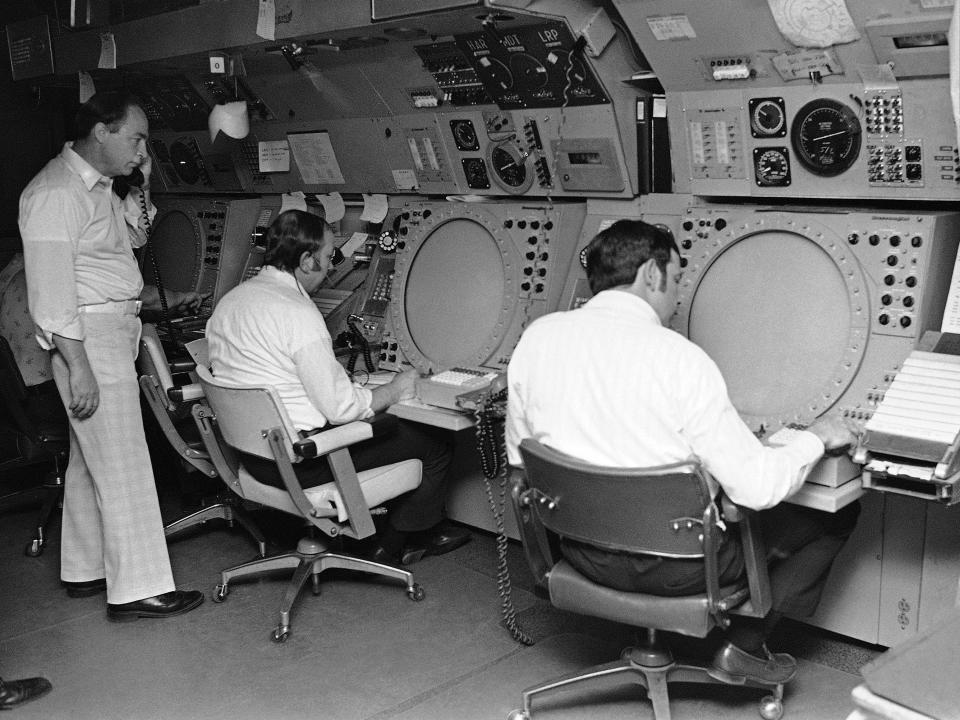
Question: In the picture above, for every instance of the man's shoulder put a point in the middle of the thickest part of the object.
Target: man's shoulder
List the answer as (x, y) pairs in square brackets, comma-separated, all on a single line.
[(55, 174)]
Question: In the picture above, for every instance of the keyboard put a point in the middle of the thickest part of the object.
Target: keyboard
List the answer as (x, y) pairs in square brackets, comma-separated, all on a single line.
[(443, 388)]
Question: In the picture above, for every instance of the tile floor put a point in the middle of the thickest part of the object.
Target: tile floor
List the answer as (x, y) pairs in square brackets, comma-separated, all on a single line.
[(360, 651)]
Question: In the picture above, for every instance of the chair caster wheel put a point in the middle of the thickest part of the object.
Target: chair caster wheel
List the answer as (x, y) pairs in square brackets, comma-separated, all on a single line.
[(34, 548), (771, 708), (518, 715), (416, 593), (280, 634), (220, 593)]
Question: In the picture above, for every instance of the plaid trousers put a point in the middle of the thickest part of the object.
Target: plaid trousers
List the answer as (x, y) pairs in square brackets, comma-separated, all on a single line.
[(111, 516)]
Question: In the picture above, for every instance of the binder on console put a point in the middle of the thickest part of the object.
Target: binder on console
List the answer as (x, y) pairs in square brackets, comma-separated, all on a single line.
[(911, 443)]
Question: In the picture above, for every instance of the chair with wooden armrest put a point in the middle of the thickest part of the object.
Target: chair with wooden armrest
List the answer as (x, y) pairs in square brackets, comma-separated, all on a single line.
[(668, 511), (28, 440), (171, 405), (254, 421)]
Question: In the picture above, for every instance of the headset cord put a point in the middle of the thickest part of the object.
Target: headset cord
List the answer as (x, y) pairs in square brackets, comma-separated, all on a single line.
[(164, 310), (493, 462)]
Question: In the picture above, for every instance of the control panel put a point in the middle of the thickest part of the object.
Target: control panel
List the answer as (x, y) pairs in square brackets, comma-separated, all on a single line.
[(839, 141)]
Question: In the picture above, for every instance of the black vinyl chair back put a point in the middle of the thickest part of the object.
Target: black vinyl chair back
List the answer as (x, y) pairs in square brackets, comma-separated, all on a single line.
[(14, 393), (657, 511)]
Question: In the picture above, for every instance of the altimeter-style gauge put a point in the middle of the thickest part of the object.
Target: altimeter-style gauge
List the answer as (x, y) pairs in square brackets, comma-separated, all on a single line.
[(771, 166), (826, 137), (509, 167), (768, 118)]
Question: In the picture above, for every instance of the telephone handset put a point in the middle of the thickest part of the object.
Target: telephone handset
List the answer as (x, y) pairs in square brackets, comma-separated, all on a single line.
[(123, 183)]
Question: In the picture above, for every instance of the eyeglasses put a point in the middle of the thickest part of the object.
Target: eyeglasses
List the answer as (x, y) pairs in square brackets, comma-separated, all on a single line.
[(337, 257)]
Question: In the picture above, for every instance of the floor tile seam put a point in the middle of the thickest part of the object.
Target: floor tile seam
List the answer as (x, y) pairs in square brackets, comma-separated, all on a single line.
[(45, 628), (420, 698)]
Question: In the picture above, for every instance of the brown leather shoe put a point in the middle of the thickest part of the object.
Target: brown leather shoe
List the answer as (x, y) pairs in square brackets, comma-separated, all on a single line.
[(175, 602), (736, 666), (17, 692)]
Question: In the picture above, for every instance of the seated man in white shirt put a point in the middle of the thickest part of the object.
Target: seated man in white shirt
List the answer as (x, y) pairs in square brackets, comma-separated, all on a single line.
[(610, 384), (267, 331)]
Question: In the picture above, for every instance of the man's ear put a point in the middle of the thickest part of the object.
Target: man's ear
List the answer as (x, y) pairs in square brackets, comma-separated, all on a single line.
[(651, 274), (100, 131), (307, 261)]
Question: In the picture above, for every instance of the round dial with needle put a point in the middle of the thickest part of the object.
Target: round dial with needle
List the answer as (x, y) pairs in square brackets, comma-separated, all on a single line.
[(767, 117), (509, 169), (771, 167), (826, 137)]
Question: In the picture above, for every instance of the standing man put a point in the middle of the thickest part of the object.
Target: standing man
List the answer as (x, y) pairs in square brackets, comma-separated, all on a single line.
[(267, 331), (610, 384), (83, 286)]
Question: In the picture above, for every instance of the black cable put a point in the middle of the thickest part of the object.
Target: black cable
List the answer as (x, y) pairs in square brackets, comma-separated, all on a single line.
[(493, 462), (157, 280)]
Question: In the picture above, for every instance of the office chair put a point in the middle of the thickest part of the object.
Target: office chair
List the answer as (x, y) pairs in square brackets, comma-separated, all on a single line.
[(666, 511), (29, 442), (171, 405), (253, 420)]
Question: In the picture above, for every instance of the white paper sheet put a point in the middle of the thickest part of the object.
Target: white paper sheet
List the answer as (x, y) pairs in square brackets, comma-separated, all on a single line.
[(293, 201), (313, 153), (374, 208), (333, 207), (267, 20), (273, 156), (814, 23)]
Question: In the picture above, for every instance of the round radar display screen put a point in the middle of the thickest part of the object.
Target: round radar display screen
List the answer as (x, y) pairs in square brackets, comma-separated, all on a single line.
[(826, 137)]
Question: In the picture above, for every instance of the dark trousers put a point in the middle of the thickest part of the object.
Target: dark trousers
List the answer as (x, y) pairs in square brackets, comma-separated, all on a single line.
[(417, 510), (801, 546)]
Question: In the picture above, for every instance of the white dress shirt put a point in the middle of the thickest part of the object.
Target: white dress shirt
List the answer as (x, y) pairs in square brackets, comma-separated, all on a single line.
[(607, 383), (267, 331), (78, 240)]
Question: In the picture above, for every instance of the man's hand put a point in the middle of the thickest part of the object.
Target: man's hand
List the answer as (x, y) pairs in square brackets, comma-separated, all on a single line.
[(833, 433), (84, 390), (184, 303), (405, 384)]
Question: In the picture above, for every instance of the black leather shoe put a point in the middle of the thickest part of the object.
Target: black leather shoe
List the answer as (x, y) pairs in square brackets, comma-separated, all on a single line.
[(733, 665), (17, 692), (175, 602), (440, 539), (86, 588), (445, 537), (379, 555)]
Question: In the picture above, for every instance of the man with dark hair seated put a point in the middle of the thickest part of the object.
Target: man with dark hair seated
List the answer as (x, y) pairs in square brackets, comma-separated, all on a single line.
[(268, 332), (609, 384)]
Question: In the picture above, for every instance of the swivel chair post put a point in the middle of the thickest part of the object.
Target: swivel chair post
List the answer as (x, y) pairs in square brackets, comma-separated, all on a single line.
[(53, 497)]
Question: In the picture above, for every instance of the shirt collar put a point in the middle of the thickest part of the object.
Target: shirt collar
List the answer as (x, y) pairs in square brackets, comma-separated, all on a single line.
[(282, 277), (623, 301), (89, 175)]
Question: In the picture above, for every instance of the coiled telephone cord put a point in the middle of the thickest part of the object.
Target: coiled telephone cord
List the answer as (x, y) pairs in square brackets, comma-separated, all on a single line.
[(493, 463)]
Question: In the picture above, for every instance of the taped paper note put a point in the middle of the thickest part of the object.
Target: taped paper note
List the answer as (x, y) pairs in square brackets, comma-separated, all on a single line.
[(405, 179), (814, 23), (671, 27), (315, 158), (267, 20), (293, 201), (354, 243), (374, 208), (273, 156), (108, 52), (87, 88), (333, 207)]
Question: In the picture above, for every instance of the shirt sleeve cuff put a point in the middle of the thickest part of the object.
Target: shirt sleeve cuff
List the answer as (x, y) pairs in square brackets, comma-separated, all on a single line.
[(72, 330)]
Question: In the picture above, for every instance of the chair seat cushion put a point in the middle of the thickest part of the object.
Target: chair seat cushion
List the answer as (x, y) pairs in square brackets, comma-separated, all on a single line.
[(378, 485), (687, 615)]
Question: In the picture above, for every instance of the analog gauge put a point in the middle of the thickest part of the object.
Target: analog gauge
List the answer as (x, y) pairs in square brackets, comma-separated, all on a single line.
[(496, 73), (767, 117), (826, 137), (476, 173), (528, 71), (771, 166), (509, 169), (464, 134)]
